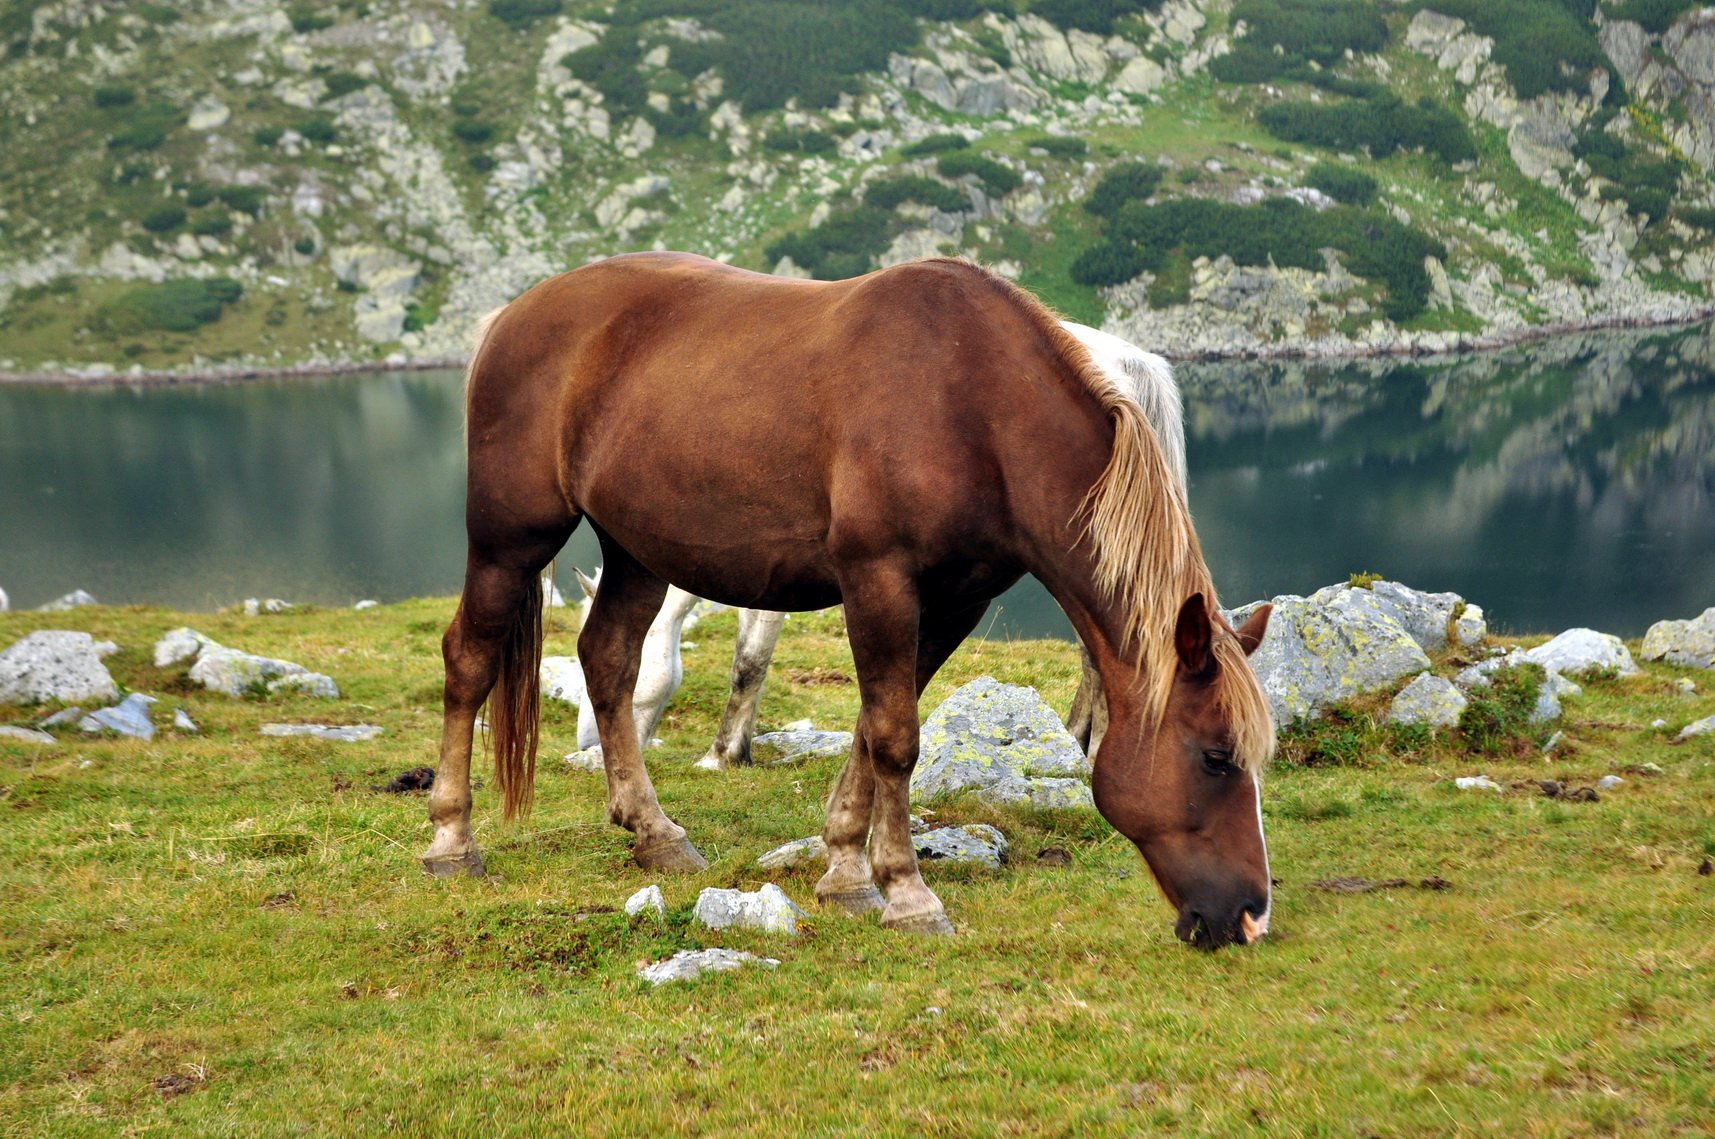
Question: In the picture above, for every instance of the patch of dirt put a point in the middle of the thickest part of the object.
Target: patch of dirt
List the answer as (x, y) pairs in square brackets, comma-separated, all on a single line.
[(416, 779), (341, 783), (1054, 856), (817, 677), (281, 900), (1706, 867), (173, 1084), (1554, 789), (1355, 885)]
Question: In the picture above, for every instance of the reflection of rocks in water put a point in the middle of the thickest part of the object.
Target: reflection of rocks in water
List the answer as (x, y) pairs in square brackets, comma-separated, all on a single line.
[(1561, 481)]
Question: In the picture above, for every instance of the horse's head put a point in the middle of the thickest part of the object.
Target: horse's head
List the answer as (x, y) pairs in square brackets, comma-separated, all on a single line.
[(1190, 797)]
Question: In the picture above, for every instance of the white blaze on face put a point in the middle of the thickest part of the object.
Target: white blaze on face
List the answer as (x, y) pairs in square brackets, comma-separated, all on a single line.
[(1255, 927)]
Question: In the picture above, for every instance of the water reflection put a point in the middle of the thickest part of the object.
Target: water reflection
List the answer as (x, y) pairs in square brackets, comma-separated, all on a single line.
[(1566, 482)]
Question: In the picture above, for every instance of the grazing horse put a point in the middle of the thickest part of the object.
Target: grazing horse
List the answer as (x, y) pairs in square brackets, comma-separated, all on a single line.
[(908, 444), (1142, 375)]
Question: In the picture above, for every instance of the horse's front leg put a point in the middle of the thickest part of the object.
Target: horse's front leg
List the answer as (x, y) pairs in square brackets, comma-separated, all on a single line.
[(758, 633), (882, 622)]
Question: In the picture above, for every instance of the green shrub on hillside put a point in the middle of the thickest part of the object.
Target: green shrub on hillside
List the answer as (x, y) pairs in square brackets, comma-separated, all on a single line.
[(1060, 146), (1342, 183), (521, 13), (164, 218), (1108, 263), (1323, 30), (1646, 184), (343, 83), (1284, 233), (212, 225), (998, 180), (1545, 45), (888, 193), (935, 144), (1250, 62), (801, 141), (267, 136), (1380, 126), (306, 18), (474, 131), (844, 245), (114, 95), (1122, 184), (1701, 217), (244, 199), (1097, 16), (610, 66), (146, 128), (1656, 16), (317, 128), (172, 306)]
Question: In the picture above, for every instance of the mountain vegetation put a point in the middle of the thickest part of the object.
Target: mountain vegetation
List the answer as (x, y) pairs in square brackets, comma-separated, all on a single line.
[(254, 185)]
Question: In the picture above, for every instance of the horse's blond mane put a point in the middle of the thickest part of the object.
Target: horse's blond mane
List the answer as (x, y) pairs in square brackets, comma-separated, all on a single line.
[(1148, 558)]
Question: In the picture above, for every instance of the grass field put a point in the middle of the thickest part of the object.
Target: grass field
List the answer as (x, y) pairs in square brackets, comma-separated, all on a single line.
[(226, 934)]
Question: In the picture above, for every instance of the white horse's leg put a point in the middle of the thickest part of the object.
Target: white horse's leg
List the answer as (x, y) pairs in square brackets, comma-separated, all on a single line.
[(758, 633), (1088, 719), (663, 667)]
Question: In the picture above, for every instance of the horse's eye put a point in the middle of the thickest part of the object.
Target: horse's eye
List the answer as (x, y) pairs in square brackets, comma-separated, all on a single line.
[(1217, 762)]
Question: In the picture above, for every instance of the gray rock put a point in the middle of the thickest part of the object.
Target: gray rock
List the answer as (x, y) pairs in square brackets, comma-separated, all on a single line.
[(76, 599), (589, 759), (649, 898), (367, 603), (182, 721), (1697, 728), (54, 664), (1428, 700), (1476, 783), (801, 850), (1608, 782), (689, 964), (64, 716), (179, 645), (767, 909), (254, 607), (563, 679), (1690, 643), (1004, 743), (1318, 654), (130, 717), (236, 673), (976, 844), (5, 602), (1425, 616), (343, 733), (1684, 685), (1583, 650), (1554, 688), (777, 749), (24, 735)]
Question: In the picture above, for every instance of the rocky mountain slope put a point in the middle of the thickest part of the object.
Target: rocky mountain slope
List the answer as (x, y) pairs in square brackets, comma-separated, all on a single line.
[(242, 184)]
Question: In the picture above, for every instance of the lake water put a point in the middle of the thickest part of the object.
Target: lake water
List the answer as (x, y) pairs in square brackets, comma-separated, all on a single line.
[(1568, 482)]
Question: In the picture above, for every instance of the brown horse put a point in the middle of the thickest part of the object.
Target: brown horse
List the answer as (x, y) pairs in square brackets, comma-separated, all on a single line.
[(907, 443)]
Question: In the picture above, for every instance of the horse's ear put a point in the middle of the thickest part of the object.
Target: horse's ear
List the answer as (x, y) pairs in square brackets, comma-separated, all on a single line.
[(1193, 636), (1250, 634), (588, 583)]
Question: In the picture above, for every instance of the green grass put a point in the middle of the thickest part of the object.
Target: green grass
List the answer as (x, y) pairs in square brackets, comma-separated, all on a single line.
[(245, 916)]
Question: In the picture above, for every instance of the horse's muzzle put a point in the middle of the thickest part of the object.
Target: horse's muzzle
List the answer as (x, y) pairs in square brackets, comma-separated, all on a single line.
[(1242, 928)]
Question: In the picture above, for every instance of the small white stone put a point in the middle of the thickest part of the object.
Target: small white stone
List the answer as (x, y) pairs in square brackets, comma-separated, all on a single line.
[(366, 603), (1476, 783), (767, 909), (688, 964), (649, 898), (589, 759), (1608, 782)]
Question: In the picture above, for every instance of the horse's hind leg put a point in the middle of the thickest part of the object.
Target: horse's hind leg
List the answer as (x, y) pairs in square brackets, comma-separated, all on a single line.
[(610, 646), (498, 622), (758, 633)]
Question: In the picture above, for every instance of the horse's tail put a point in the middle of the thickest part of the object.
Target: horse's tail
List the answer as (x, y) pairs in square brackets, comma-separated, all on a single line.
[(514, 705)]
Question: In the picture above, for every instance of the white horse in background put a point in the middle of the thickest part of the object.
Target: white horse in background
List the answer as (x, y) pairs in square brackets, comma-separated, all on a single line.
[(1145, 376)]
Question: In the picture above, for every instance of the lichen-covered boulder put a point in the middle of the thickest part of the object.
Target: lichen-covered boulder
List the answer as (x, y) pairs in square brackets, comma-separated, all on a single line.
[(1690, 643), (767, 909), (1428, 700), (1696, 728), (76, 599), (1319, 653), (179, 645), (235, 673), (1427, 617), (563, 680), (54, 664), (776, 749), (1004, 743), (1583, 650), (976, 844)]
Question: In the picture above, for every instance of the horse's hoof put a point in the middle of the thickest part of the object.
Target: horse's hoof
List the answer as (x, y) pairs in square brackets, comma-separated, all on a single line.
[(934, 923), (468, 865), (855, 900), (670, 856)]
